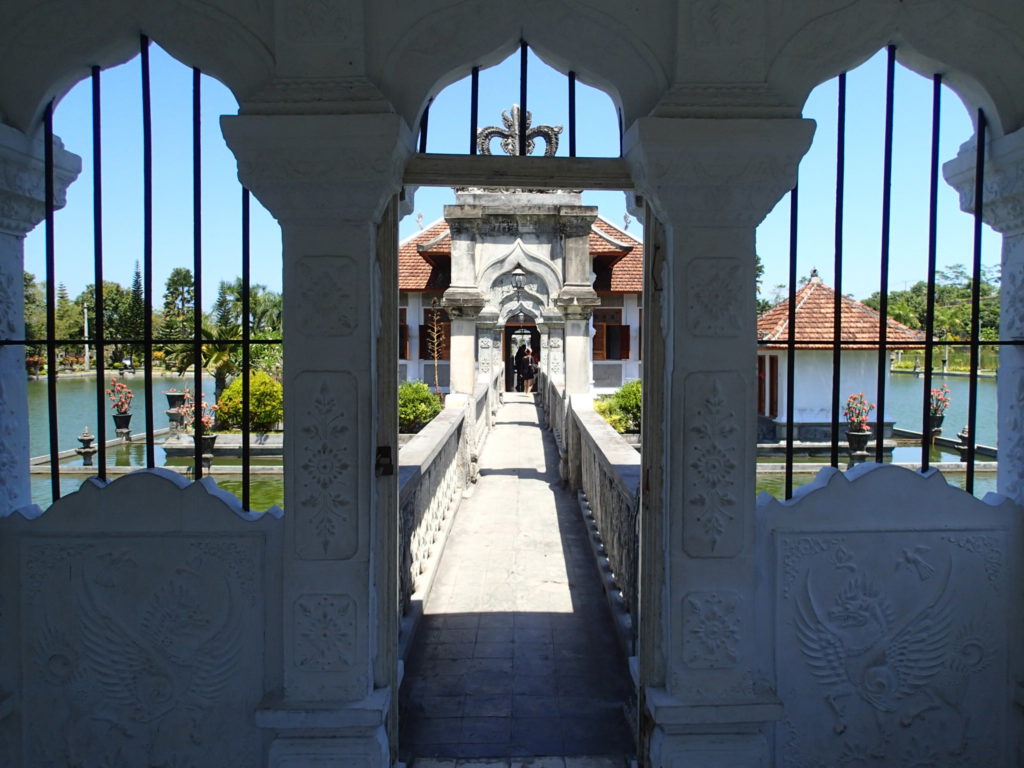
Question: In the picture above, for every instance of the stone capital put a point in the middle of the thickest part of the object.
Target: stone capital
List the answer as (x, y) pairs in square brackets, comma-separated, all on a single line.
[(1003, 202), (23, 183), (320, 168), (715, 173)]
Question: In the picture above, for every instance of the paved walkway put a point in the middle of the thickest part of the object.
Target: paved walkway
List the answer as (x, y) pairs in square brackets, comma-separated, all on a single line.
[(516, 656)]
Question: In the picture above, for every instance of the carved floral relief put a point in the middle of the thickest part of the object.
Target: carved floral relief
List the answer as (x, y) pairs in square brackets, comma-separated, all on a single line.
[(327, 523), (329, 287), (325, 631), (711, 522), (711, 630), (712, 306)]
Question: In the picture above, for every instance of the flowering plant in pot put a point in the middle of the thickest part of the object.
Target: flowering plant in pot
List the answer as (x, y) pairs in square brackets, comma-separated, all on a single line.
[(189, 412), (939, 403), (120, 396), (857, 412)]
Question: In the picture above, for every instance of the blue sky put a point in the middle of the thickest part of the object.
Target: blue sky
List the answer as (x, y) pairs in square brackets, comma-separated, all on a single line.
[(597, 135)]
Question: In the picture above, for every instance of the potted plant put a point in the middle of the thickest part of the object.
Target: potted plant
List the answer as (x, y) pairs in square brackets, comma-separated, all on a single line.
[(857, 411), (937, 409), (205, 416), (120, 396)]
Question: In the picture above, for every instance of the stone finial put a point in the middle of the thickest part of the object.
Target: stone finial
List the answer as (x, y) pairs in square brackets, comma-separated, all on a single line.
[(509, 135)]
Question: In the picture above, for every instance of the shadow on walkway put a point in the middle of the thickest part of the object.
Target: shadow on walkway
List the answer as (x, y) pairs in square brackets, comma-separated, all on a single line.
[(516, 653)]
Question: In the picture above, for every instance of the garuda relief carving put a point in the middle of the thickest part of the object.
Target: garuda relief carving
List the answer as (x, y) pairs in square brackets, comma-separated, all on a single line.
[(889, 656), (139, 663)]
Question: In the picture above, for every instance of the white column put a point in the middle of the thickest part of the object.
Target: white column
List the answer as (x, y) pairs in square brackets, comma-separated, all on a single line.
[(462, 363), (22, 196), (1003, 210), (705, 667), (327, 180)]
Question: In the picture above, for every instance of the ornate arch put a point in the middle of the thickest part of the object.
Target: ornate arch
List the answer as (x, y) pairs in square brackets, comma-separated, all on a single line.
[(612, 48), (520, 256), (46, 48), (977, 51)]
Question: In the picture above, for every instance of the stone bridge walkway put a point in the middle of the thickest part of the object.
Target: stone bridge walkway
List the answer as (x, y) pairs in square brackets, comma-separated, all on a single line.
[(516, 658)]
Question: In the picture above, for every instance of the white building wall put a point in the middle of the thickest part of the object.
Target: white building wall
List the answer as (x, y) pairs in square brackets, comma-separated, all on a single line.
[(813, 382)]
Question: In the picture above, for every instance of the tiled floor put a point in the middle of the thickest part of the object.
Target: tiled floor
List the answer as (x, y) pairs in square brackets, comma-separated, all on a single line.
[(515, 656)]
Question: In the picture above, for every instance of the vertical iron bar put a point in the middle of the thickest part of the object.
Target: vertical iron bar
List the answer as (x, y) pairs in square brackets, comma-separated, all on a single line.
[(618, 114), (791, 340), (929, 322), (972, 396), (424, 120), (837, 309), (572, 114), (474, 109), (147, 250), (883, 290), (51, 302), (197, 267), (97, 241), (246, 338), (522, 97)]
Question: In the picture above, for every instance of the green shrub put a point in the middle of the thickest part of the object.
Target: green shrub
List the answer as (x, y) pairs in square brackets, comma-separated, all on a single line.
[(266, 403), (623, 408), (417, 405)]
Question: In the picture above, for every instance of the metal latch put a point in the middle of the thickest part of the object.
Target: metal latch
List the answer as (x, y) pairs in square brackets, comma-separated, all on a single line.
[(384, 464)]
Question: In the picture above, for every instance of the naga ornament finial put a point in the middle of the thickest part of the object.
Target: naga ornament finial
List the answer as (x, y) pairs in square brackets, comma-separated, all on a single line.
[(509, 135)]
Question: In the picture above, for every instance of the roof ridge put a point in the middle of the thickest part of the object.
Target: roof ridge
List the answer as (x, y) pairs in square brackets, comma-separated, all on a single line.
[(412, 238), (619, 229)]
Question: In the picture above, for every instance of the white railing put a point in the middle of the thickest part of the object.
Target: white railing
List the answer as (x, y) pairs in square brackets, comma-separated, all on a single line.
[(435, 468)]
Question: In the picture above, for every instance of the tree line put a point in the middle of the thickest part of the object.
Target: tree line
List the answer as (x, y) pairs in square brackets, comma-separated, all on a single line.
[(124, 317)]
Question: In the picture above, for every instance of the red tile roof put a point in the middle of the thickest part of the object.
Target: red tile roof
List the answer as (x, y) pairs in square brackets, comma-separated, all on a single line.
[(614, 250), (815, 303)]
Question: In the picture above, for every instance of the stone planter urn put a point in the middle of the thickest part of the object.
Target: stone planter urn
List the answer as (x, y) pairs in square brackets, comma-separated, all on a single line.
[(858, 440), (935, 425), (208, 442), (174, 402), (122, 425)]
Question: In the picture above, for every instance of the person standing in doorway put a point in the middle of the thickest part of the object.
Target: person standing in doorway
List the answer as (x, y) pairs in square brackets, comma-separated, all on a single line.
[(518, 367), (527, 371)]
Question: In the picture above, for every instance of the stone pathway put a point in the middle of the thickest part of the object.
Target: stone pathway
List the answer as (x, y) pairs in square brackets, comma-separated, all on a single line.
[(516, 655)]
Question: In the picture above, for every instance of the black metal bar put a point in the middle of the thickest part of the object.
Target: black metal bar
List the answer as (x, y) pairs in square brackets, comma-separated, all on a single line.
[(929, 321), (572, 114), (147, 250), (197, 268), (972, 392), (474, 109), (618, 114), (837, 310), (790, 342), (97, 241), (246, 338), (883, 290), (523, 48), (51, 302), (424, 120)]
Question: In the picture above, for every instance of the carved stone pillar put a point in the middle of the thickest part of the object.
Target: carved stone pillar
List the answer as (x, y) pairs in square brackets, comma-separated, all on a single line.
[(327, 179), (705, 666), (577, 300), (22, 196), (1003, 210)]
